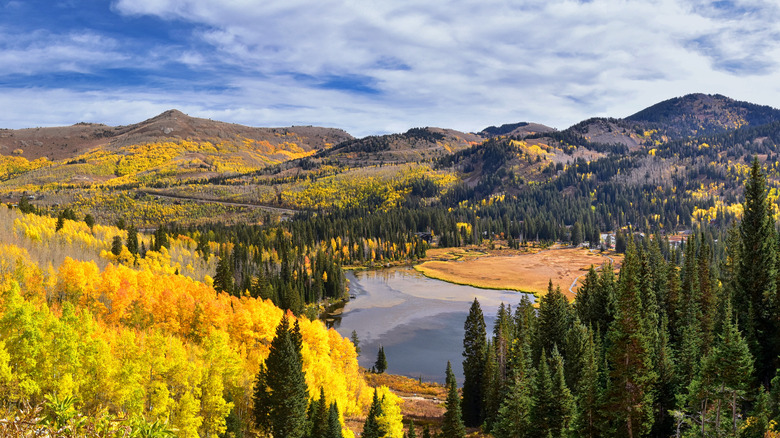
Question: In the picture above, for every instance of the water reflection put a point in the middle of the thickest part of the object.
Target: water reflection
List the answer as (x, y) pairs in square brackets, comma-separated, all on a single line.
[(418, 320)]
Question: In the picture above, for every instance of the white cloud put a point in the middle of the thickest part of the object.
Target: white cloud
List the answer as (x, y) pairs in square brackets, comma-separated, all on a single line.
[(45, 52), (461, 64)]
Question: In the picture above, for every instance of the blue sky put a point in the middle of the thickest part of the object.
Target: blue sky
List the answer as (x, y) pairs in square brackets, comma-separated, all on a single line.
[(371, 66)]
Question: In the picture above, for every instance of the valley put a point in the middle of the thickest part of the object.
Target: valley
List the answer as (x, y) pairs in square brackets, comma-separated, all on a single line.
[(179, 272)]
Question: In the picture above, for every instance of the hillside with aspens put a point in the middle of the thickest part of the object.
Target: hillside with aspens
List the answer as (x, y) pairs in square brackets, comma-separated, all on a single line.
[(160, 277)]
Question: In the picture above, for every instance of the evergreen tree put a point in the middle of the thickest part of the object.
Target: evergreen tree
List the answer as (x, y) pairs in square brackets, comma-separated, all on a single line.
[(334, 425), (562, 406), (412, 433), (491, 391), (132, 240), (576, 343), (755, 295), (90, 221), (543, 415), (116, 246), (381, 361), (319, 417), (452, 424), (514, 416), (630, 392), (356, 342), (554, 321), (474, 352), (223, 279), (281, 396), (60, 222), (731, 366), (426, 431), (372, 428), (586, 423)]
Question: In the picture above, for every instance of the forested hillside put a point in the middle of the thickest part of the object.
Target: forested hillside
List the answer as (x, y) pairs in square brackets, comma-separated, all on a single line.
[(169, 276)]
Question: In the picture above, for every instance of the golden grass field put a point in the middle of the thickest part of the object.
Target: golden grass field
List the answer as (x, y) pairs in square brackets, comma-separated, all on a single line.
[(527, 272)]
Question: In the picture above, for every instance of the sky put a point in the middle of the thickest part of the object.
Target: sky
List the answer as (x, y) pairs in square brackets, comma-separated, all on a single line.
[(377, 66)]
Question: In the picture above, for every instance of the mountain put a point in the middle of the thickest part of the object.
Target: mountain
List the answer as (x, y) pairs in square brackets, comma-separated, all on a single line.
[(413, 145), (70, 141), (703, 114), (520, 129), (675, 119)]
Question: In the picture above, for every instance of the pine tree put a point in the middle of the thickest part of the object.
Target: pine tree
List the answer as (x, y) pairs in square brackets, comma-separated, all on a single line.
[(89, 220), (356, 342), (223, 279), (631, 374), (372, 428), (334, 425), (562, 407), (491, 391), (60, 222), (474, 352), (554, 321), (319, 416), (116, 246), (132, 240), (514, 416), (412, 433), (542, 416), (281, 395), (586, 423), (755, 295), (381, 361), (732, 364), (576, 344), (452, 424)]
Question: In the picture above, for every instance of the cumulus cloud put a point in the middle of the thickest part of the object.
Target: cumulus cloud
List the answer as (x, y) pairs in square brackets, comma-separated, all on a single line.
[(372, 66)]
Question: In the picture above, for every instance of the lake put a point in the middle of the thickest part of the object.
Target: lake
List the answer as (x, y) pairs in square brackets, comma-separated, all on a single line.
[(418, 320)]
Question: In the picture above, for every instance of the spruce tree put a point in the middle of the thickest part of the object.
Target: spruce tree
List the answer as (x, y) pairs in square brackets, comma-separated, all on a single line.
[(132, 240), (412, 433), (543, 404), (732, 363), (281, 395), (452, 424), (562, 407), (474, 352), (372, 428), (755, 294), (381, 361), (90, 221), (334, 425), (514, 416), (319, 416), (492, 389), (630, 392), (553, 322), (586, 423), (223, 279)]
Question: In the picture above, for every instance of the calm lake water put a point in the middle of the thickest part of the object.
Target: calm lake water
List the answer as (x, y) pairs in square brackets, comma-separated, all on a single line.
[(418, 320)]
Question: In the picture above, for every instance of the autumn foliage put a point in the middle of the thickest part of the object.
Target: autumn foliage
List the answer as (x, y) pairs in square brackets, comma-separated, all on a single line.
[(144, 342)]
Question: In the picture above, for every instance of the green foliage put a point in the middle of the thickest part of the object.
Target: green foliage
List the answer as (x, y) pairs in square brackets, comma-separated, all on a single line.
[(755, 299), (281, 395), (380, 366), (452, 423), (474, 353), (373, 428)]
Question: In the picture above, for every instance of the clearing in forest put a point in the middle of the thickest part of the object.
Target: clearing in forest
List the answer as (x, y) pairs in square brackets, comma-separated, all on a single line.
[(523, 272)]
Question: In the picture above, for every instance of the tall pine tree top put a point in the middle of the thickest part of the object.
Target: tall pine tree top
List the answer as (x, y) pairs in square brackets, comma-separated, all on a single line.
[(755, 297), (452, 425), (474, 352), (281, 394)]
